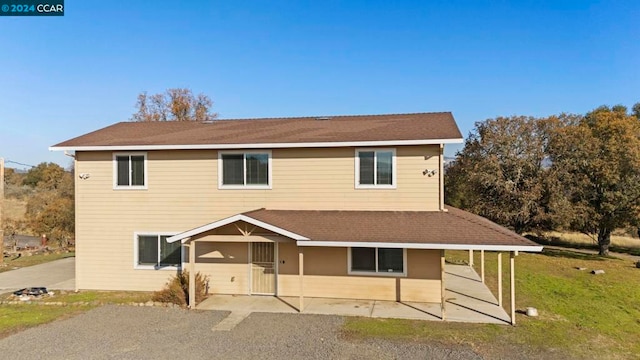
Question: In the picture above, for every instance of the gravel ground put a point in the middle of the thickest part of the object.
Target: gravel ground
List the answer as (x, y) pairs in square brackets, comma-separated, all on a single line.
[(121, 332)]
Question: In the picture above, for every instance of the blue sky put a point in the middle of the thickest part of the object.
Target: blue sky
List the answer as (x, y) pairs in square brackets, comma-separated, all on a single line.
[(61, 77)]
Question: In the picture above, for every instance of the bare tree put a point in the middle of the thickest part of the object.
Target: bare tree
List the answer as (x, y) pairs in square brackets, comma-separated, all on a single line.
[(176, 104)]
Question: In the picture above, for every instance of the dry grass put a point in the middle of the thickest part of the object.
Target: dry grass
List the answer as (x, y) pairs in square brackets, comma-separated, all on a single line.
[(584, 240), (14, 209), (24, 261)]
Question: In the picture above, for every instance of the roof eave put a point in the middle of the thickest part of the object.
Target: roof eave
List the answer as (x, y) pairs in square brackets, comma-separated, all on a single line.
[(239, 217), (425, 246), (256, 145)]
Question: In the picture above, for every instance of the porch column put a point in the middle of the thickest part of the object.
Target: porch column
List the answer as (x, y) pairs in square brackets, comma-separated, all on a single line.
[(470, 257), (192, 274), (512, 261), (482, 265), (442, 287), (499, 279), (301, 275)]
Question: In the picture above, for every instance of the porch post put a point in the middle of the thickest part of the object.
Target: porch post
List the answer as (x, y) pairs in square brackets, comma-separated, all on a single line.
[(512, 261), (301, 275), (499, 279), (470, 257), (442, 287), (192, 274), (482, 265)]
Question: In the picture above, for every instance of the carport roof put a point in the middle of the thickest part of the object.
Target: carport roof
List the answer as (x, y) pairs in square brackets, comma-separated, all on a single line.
[(453, 229)]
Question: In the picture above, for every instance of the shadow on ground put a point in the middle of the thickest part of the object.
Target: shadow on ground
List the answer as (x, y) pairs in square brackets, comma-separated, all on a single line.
[(572, 255)]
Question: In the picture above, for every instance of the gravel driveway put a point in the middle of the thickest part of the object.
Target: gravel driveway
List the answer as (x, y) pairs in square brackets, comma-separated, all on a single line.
[(122, 332)]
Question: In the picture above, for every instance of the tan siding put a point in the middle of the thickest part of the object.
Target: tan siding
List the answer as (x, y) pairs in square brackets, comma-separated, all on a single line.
[(226, 264), (423, 264), (420, 290), (183, 194), (326, 276)]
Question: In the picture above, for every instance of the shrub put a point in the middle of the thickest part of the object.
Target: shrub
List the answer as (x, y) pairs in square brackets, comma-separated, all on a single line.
[(176, 291)]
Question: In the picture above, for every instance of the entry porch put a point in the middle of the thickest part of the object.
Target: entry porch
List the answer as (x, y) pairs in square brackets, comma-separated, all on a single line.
[(467, 300)]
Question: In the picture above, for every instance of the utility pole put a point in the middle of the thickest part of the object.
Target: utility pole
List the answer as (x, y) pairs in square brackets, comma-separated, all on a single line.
[(1, 208)]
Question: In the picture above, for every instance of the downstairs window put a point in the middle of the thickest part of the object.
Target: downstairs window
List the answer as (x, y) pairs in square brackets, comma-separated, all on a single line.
[(154, 252), (365, 260)]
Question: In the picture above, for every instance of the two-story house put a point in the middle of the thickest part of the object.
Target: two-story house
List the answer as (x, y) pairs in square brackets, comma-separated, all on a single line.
[(345, 207)]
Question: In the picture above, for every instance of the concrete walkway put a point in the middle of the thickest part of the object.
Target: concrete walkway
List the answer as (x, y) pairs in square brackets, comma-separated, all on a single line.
[(468, 300), (54, 275)]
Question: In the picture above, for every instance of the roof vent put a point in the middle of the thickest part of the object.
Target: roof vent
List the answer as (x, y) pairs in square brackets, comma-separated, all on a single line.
[(323, 118)]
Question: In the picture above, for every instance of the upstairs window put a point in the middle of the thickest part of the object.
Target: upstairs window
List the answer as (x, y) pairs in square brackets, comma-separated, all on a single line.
[(130, 171), (154, 252), (244, 170), (375, 168)]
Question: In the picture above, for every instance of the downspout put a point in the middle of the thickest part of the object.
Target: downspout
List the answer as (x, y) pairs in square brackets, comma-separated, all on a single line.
[(441, 177), (78, 269)]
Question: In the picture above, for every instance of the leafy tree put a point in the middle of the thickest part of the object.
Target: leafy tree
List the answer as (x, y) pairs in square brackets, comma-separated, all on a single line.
[(500, 172), (12, 177), (51, 209), (597, 161), (48, 176), (176, 104), (636, 110), (53, 215)]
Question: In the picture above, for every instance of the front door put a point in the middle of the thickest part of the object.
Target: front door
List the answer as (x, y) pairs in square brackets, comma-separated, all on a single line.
[(263, 268)]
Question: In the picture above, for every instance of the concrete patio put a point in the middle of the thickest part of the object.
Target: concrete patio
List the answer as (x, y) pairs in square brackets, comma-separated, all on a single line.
[(468, 300)]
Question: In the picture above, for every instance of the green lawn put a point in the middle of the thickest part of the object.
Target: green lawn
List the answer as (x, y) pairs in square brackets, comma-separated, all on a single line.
[(25, 261), (581, 315), (14, 318)]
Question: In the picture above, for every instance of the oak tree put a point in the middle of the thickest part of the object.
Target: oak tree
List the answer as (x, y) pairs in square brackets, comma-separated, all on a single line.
[(501, 174), (597, 162)]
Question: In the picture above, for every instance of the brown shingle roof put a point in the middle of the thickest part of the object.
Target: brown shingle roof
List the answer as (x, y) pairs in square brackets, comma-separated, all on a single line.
[(453, 227), (420, 126)]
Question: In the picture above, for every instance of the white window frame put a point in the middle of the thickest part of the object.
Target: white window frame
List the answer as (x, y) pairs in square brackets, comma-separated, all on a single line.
[(221, 186), (154, 267), (375, 168), (378, 273), (115, 171)]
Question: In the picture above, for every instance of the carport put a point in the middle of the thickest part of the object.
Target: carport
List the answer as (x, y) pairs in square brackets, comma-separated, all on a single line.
[(422, 286)]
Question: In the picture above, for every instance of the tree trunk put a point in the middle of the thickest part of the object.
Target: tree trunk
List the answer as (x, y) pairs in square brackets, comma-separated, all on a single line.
[(604, 240)]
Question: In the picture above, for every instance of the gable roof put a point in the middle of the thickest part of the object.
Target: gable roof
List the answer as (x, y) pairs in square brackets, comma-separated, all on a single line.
[(451, 229), (360, 130)]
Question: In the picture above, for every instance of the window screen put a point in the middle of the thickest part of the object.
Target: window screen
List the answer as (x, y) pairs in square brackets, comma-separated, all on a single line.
[(232, 169), (137, 170), (366, 167), (123, 170), (363, 259), (147, 250)]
